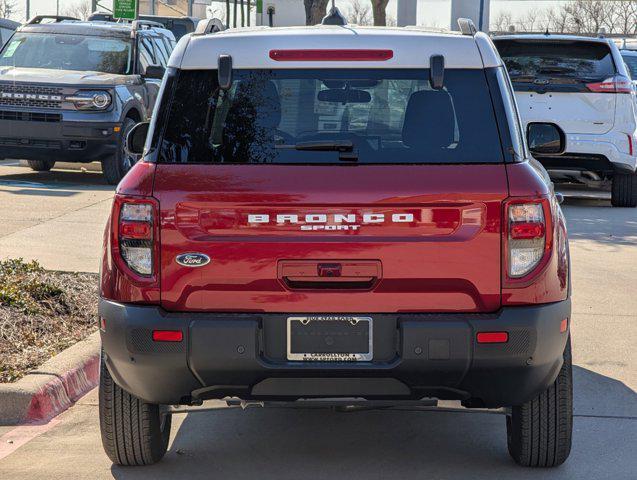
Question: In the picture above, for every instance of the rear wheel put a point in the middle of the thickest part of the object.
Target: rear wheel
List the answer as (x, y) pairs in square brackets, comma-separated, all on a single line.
[(133, 432), (624, 190), (539, 432), (115, 167), (41, 165)]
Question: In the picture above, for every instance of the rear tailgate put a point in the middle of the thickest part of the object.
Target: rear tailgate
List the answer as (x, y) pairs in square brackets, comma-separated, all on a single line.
[(349, 239), (555, 81)]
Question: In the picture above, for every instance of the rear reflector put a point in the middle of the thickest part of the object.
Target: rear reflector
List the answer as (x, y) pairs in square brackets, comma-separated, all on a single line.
[(492, 337), (167, 336), (138, 230), (630, 144), (564, 325), (526, 230), (331, 55)]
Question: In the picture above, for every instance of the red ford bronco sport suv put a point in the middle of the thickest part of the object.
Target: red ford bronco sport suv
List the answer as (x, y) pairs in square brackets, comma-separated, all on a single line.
[(336, 214)]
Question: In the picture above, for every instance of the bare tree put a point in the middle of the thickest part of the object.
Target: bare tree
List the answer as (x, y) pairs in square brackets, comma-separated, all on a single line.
[(379, 8), (8, 8), (315, 10), (530, 21), (80, 9), (501, 22), (359, 13)]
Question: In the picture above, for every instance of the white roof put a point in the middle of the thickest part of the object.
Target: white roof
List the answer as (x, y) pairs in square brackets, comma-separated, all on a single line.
[(412, 48)]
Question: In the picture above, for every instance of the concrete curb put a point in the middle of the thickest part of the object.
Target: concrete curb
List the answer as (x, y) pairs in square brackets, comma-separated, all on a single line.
[(54, 386)]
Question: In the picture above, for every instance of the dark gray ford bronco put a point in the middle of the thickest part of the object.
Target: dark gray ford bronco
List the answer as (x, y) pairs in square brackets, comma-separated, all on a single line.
[(71, 90)]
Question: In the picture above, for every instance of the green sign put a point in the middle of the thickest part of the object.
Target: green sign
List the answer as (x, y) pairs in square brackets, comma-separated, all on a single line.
[(126, 9)]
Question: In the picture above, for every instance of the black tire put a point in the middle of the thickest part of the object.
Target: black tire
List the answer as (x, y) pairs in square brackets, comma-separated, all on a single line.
[(114, 168), (41, 165), (624, 190), (133, 432), (539, 432)]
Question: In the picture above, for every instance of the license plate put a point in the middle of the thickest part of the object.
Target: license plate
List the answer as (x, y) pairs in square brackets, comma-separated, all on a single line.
[(329, 339)]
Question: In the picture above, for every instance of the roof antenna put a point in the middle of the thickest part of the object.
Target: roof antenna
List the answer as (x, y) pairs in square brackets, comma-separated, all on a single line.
[(547, 33), (334, 16)]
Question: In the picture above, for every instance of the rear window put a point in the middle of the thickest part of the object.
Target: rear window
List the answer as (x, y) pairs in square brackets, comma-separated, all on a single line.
[(380, 116), (570, 62)]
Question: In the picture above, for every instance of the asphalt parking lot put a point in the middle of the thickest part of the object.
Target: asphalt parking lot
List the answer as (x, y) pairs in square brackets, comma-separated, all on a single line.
[(272, 443)]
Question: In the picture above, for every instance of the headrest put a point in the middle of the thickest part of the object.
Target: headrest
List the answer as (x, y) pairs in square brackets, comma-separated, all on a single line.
[(430, 120), (264, 98)]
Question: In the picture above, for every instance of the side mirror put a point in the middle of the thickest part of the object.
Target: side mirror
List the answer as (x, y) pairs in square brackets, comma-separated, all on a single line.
[(155, 72), (545, 139), (136, 138)]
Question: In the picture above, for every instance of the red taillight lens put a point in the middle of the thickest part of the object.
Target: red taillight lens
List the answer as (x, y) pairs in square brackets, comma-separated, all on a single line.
[(135, 235), (167, 336), (616, 84), (527, 228), (333, 55), (492, 337), (138, 230)]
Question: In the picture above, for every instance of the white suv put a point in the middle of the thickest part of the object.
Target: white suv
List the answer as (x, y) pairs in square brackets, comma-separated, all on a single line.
[(582, 85)]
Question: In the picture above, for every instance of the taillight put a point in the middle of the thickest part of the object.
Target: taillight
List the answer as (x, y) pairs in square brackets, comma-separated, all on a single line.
[(617, 84), (136, 236), (528, 241)]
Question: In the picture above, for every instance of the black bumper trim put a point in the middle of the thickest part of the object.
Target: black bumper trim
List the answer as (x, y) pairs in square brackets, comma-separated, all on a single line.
[(419, 355)]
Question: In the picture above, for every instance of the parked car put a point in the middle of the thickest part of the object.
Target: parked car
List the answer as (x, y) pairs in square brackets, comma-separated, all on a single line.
[(7, 27), (630, 59), (71, 90), (353, 223), (582, 85), (179, 26)]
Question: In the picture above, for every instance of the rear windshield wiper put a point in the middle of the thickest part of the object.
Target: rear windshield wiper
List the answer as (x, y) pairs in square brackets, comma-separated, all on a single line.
[(322, 146), (345, 148)]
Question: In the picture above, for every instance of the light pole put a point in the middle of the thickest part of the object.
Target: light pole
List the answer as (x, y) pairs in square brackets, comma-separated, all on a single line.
[(28, 10)]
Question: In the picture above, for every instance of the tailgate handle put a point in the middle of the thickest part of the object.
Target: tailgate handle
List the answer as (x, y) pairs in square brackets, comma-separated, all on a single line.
[(344, 275)]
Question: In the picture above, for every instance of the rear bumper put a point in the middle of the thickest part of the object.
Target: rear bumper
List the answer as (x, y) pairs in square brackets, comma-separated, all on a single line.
[(78, 140), (415, 356), (605, 153)]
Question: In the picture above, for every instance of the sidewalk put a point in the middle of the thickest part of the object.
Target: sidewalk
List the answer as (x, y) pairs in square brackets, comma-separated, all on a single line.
[(56, 218)]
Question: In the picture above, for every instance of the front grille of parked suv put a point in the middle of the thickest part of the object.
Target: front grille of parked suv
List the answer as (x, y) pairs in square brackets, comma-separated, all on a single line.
[(47, 97)]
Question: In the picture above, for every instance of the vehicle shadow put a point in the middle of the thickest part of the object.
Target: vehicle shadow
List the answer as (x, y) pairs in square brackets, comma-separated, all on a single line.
[(54, 179), (323, 444), (596, 220)]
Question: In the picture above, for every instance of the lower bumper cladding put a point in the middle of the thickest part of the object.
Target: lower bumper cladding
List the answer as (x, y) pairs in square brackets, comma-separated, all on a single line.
[(414, 356)]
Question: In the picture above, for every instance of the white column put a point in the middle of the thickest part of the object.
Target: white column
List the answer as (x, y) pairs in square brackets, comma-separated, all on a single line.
[(406, 12), (476, 10)]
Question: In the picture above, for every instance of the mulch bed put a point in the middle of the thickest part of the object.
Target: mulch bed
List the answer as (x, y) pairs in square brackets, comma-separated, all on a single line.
[(41, 313)]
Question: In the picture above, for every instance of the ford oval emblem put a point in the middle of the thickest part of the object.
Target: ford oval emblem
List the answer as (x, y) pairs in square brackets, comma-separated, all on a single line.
[(193, 259)]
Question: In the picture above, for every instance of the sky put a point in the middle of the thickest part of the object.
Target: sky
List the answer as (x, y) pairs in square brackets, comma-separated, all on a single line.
[(432, 13)]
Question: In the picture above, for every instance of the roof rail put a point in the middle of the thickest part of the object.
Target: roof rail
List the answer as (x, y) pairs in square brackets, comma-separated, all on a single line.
[(56, 18), (467, 27), (140, 24), (209, 25)]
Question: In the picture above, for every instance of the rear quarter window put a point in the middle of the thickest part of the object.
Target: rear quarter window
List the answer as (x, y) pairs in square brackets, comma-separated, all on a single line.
[(384, 116)]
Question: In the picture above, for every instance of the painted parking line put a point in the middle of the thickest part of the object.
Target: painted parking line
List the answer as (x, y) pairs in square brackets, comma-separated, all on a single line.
[(14, 439)]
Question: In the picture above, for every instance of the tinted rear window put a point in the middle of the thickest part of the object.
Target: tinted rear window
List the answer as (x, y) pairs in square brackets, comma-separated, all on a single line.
[(305, 116), (585, 61)]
